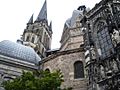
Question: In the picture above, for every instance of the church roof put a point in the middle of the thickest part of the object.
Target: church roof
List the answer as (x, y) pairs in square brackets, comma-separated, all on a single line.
[(71, 21), (43, 13), (18, 51), (31, 20)]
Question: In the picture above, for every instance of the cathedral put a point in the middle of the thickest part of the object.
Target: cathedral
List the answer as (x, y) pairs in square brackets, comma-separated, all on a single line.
[(69, 57), (89, 54)]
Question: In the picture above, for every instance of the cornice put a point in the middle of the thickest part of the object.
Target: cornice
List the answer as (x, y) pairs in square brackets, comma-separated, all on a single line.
[(17, 63), (59, 53)]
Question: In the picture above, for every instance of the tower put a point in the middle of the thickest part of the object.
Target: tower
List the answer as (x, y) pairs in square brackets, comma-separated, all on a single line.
[(38, 33), (72, 36), (69, 59)]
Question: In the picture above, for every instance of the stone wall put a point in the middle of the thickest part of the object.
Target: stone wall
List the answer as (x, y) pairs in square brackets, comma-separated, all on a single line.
[(64, 61)]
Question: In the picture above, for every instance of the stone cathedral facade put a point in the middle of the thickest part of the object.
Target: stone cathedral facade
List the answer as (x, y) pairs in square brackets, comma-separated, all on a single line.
[(69, 57), (89, 55), (101, 27)]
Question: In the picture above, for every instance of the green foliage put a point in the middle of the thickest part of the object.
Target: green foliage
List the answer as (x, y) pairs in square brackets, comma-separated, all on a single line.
[(36, 81)]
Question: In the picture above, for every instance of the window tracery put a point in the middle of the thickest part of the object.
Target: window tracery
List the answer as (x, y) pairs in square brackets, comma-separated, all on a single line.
[(104, 40)]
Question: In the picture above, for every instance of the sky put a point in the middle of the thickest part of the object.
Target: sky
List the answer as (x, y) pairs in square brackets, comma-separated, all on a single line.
[(14, 14)]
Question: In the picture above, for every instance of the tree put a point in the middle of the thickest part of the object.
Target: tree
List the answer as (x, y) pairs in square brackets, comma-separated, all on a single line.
[(43, 80)]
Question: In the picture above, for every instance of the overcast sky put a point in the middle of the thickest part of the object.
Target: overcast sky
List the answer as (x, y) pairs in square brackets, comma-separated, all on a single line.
[(14, 14)]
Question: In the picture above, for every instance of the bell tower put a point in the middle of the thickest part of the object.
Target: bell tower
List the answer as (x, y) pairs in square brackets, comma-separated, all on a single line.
[(38, 33)]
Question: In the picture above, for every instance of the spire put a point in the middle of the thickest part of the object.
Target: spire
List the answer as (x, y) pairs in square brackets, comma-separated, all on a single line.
[(50, 26), (31, 20), (43, 13)]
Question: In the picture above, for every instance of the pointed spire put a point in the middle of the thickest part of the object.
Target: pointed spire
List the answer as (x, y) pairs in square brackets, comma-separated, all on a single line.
[(50, 26), (43, 13), (31, 20)]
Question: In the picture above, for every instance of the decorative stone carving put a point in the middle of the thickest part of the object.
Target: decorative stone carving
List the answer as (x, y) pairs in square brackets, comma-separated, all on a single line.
[(102, 72), (93, 52), (116, 37)]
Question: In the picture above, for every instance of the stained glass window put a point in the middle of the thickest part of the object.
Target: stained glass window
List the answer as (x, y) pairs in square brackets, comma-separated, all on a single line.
[(27, 39), (104, 40)]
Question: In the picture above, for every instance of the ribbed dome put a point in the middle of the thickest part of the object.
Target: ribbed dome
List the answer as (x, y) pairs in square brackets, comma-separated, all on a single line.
[(18, 51)]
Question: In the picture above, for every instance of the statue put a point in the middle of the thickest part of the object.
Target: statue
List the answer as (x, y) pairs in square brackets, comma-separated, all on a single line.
[(92, 52), (102, 71), (115, 37)]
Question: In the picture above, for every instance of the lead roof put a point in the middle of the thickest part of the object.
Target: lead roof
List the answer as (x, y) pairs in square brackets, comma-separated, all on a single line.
[(18, 51)]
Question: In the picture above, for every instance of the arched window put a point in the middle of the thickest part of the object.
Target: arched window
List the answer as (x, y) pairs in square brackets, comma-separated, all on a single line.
[(38, 53), (78, 70), (42, 50), (47, 70), (32, 39)]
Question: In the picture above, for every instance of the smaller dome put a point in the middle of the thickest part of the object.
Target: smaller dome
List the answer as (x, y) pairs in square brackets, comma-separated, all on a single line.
[(18, 51)]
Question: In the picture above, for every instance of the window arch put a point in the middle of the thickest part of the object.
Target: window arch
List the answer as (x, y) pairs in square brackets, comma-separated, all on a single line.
[(32, 39), (78, 70), (42, 50), (47, 70), (28, 37)]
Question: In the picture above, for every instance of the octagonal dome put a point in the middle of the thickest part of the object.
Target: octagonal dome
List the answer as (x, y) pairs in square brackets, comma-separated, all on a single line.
[(18, 51)]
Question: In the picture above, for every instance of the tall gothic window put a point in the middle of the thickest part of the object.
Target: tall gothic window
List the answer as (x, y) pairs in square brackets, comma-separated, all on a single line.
[(27, 39), (105, 42), (32, 39), (44, 42), (78, 70)]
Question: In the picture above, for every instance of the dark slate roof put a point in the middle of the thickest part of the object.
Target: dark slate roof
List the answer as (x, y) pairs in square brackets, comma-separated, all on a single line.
[(71, 21), (43, 13), (50, 26), (18, 51), (31, 20)]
